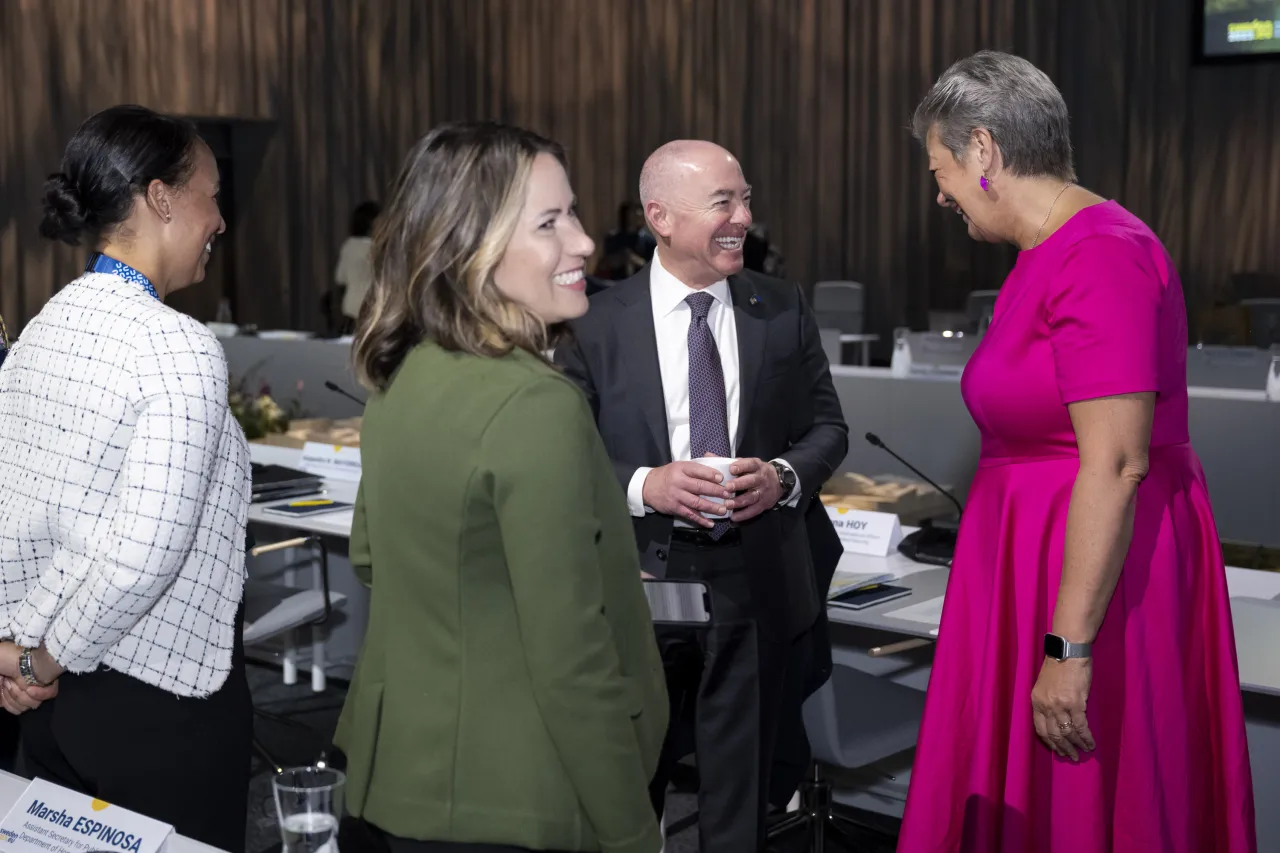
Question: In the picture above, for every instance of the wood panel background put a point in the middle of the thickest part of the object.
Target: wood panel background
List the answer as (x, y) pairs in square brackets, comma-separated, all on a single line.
[(813, 95)]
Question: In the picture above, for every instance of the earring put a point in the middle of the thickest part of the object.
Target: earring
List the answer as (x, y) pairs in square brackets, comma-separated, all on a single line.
[(985, 184)]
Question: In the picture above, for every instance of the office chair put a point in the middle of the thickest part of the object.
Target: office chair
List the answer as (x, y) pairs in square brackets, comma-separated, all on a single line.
[(840, 305), (273, 610), (846, 724)]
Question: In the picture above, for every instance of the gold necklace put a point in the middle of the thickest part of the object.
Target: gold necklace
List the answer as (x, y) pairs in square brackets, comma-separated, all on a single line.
[(1050, 213)]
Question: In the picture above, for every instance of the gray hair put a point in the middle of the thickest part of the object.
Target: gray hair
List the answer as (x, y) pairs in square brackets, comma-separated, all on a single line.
[(1013, 100)]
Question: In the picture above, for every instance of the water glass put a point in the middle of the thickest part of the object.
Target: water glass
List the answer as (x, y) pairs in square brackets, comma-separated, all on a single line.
[(309, 806)]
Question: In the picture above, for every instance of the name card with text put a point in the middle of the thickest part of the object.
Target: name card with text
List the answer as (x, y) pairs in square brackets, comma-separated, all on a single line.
[(334, 461), (53, 819), (875, 534)]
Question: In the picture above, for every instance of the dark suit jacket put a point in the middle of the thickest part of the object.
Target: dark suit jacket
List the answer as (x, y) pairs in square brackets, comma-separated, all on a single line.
[(788, 408)]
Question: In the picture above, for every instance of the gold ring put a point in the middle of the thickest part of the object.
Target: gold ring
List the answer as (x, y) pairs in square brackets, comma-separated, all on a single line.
[(1066, 727)]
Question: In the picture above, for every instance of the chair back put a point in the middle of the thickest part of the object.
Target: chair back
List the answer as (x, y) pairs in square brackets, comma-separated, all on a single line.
[(981, 307), (1264, 321), (830, 345), (857, 719), (839, 305)]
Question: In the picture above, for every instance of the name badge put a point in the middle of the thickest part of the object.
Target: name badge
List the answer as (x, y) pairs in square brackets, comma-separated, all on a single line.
[(874, 534), (333, 461), (53, 819)]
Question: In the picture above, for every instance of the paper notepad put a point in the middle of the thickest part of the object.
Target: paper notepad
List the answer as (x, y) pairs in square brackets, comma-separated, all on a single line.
[(845, 581)]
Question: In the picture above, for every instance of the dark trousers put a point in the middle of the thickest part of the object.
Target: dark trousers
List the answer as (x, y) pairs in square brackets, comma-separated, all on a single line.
[(182, 761), (725, 685)]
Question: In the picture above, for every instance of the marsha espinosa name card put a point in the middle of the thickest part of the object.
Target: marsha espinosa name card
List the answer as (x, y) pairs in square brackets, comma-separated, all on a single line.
[(53, 819)]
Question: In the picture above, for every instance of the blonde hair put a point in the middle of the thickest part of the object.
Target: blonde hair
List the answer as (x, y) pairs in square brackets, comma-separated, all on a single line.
[(453, 210)]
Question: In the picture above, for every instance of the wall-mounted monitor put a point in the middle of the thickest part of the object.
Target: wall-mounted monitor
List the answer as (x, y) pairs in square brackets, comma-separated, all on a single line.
[(1237, 29)]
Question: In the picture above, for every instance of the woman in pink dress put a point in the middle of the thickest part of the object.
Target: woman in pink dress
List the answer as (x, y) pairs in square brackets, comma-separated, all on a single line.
[(1085, 696)]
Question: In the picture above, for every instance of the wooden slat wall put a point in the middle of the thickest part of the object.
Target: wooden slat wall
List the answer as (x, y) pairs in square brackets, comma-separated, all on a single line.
[(813, 95)]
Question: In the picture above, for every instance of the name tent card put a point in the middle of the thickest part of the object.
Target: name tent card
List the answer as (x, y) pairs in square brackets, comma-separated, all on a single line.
[(874, 534), (53, 819), (334, 461)]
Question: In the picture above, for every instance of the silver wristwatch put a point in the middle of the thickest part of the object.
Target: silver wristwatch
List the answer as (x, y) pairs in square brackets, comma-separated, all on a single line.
[(1060, 648), (26, 670)]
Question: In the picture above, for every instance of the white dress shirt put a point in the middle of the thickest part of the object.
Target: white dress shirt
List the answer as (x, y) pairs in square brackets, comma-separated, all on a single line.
[(671, 317), (124, 489)]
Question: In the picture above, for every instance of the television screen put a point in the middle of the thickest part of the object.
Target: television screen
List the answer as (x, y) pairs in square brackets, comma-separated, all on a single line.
[(1240, 28)]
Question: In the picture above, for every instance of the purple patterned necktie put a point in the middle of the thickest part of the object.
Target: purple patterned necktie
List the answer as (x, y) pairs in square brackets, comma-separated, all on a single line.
[(708, 410)]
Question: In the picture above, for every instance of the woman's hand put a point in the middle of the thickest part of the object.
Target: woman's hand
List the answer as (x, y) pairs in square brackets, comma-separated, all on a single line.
[(17, 697), (46, 669), (1058, 703)]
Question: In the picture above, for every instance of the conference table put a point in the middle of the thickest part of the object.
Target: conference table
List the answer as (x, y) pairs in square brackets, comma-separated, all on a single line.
[(922, 417), (1255, 606), (861, 638)]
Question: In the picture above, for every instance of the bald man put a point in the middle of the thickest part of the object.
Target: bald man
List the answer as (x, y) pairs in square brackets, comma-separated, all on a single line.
[(695, 357)]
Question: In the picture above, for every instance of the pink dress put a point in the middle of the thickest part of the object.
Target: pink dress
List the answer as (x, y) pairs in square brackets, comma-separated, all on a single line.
[(1096, 310)]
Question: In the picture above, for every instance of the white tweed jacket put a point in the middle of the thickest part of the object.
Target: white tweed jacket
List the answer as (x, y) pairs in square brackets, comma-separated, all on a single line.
[(124, 489)]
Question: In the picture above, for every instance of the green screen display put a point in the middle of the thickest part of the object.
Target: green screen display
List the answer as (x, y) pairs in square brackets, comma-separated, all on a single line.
[(1241, 27)]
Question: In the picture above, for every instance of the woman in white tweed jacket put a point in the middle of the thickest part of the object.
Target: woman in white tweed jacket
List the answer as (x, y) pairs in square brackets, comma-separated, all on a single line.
[(124, 491)]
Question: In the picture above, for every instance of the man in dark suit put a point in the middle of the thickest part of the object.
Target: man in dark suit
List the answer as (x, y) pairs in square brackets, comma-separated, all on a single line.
[(693, 357)]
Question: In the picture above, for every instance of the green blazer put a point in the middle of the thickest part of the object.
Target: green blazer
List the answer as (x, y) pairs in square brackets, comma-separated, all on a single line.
[(509, 689)]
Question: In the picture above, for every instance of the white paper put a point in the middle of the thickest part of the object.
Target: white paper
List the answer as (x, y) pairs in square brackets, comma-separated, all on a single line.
[(875, 534), (52, 819), (332, 461), (1251, 583), (845, 581), (928, 612)]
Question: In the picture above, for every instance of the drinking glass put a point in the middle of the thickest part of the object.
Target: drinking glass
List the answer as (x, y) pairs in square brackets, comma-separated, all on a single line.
[(309, 806)]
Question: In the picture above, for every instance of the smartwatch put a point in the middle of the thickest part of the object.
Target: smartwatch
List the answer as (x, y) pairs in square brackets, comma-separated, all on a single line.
[(1060, 648)]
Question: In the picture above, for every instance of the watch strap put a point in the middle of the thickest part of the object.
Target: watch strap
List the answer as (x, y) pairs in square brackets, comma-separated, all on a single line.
[(26, 669), (1060, 648), (784, 474)]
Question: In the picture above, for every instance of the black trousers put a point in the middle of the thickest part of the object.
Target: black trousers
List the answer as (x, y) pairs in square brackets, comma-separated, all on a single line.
[(182, 761), (725, 686)]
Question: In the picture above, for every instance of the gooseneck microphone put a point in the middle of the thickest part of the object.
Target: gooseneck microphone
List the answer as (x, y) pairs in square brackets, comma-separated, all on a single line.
[(875, 441), (335, 389), (934, 544)]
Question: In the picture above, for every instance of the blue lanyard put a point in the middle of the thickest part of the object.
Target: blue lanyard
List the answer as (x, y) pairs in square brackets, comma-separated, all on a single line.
[(99, 262)]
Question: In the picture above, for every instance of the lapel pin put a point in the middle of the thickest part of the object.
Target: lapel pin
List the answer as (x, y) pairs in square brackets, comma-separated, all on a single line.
[(754, 300)]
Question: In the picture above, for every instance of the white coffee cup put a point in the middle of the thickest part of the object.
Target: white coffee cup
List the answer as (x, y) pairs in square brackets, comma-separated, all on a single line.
[(721, 464)]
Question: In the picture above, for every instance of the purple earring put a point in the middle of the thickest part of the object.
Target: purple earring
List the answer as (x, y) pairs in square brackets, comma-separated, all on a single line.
[(985, 184)]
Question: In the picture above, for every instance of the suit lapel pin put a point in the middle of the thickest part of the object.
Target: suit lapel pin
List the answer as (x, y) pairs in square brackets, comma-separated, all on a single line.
[(754, 300)]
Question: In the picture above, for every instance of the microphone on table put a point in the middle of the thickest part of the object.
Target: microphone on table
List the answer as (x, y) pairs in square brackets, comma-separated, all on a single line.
[(933, 543), (335, 389)]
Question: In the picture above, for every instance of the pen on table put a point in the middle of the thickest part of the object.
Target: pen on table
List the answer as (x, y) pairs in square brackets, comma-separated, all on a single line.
[(312, 503)]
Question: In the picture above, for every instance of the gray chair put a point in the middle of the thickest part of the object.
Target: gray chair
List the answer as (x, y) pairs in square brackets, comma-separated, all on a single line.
[(981, 307), (853, 721), (831, 344), (273, 610), (1264, 321), (840, 305)]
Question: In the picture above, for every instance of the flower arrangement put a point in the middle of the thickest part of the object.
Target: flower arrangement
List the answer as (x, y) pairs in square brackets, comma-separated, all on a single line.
[(259, 414)]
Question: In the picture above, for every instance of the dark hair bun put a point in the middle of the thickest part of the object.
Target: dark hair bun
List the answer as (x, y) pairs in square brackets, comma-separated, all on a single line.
[(111, 160), (64, 213)]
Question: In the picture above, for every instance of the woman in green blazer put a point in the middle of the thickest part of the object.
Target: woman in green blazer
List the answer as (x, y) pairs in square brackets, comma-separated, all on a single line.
[(509, 694)]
